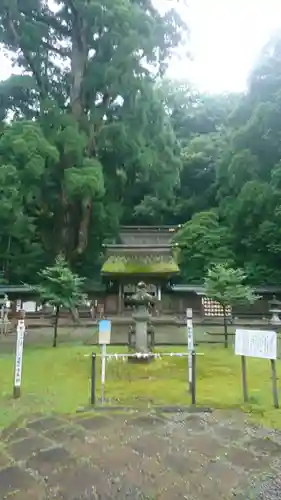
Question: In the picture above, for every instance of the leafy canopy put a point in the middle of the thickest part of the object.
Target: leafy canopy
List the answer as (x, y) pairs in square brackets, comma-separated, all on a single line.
[(226, 286), (89, 143), (202, 242), (60, 286)]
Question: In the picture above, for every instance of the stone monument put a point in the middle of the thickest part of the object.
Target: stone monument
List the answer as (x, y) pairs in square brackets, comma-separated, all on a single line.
[(142, 329), (275, 310)]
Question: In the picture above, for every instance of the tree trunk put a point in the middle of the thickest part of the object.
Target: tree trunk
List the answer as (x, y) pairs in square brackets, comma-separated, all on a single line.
[(84, 225), (57, 313), (75, 315), (225, 328)]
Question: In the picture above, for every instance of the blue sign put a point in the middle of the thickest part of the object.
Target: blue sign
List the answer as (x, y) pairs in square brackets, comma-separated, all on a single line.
[(104, 331)]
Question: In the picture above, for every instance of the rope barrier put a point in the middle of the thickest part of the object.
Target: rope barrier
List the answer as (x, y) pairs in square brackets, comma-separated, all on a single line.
[(139, 355)]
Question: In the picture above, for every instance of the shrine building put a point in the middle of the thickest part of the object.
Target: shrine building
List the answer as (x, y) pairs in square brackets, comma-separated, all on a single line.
[(143, 253)]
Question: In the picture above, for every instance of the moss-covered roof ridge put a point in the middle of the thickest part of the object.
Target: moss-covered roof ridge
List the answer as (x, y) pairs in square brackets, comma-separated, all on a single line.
[(147, 255), (138, 266)]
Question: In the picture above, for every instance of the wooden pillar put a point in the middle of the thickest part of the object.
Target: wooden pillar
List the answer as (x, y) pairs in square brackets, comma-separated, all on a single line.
[(120, 298)]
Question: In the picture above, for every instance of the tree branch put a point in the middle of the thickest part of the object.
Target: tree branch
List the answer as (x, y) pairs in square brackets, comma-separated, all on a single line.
[(39, 80), (58, 50), (52, 22)]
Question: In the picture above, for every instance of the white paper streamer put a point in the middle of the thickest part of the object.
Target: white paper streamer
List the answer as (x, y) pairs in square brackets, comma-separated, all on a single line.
[(124, 356)]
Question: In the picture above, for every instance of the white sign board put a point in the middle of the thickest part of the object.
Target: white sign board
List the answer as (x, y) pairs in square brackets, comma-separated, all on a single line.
[(256, 343), (19, 353), (190, 345), (104, 331)]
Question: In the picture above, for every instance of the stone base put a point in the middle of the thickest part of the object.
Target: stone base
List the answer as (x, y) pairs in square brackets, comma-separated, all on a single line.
[(141, 360)]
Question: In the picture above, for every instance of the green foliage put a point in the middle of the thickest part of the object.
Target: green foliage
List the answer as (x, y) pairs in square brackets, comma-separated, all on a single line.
[(202, 242), (226, 286), (97, 138), (60, 286), (232, 166), (89, 140), (86, 180)]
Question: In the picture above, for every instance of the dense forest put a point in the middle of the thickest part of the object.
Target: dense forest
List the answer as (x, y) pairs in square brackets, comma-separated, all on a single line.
[(93, 135)]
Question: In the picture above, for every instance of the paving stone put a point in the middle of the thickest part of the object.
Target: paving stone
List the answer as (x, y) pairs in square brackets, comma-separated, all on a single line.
[(229, 434), (150, 446), (44, 424), (246, 459), (5, 433), (14, 478), (264, 446), (179, 491), (81, 482), (117, 461), (94, 423), (63, 434), (195, 426), (20, 433), (138, 481), (81, 448), (184, 465), (146, 421), (36, 492), (45, 462), (156, 470), (220, 475), (124, 490), (205, 444), (4, 460), (26, 447)]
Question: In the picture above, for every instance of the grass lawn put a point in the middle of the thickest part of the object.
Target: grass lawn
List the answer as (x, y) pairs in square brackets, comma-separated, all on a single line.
[(58, 380)]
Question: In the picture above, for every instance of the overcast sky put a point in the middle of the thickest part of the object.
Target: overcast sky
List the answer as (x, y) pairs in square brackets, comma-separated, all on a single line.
[(226, 37)]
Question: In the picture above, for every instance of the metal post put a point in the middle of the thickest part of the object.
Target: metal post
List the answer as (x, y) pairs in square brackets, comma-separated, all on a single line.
[(103, 362), (274, 383), (193, 382), (244, 379), (93, 379)]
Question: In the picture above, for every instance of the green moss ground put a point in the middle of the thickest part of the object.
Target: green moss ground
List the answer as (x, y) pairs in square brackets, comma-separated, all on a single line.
[(58, 380)]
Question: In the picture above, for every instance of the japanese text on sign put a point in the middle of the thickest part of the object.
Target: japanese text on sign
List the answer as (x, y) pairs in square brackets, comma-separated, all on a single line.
[(19, 353), (256, 343)]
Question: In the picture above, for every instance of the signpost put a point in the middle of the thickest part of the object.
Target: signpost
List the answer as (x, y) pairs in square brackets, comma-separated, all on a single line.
[(190, 345), (19, 356), (257, 344), (104, 339)]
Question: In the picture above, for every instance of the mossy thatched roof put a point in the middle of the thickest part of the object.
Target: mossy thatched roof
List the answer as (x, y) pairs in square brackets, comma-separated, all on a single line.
[(138, 266)]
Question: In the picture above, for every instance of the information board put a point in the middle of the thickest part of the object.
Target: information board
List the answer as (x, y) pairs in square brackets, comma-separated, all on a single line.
[(256, 343)]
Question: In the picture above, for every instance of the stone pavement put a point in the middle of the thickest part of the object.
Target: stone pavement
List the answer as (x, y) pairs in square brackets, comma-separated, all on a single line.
[(134, 456)]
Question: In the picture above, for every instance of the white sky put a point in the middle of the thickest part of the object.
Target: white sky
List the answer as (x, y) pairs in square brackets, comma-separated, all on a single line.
[(226, 37)]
